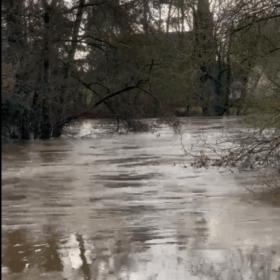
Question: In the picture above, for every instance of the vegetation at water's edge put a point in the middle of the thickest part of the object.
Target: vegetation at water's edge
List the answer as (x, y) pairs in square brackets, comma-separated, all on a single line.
[(126, 60)]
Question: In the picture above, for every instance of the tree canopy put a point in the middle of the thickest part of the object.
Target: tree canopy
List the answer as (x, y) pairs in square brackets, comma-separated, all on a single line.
[(61, 59)]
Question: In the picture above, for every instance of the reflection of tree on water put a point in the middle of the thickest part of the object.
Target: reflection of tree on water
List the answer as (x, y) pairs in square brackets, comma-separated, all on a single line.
[(52, 260), (192, 228), (222, 264), (50, 152), (19, 153), (16, 251), (239, 265), (85, 266), (21, 255), (105, 252), (113, 255)]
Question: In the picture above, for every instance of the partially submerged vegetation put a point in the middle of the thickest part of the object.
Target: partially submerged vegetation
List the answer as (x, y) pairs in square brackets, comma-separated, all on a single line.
[(247, 147), (271, 192), (61, 61), (255, 144)]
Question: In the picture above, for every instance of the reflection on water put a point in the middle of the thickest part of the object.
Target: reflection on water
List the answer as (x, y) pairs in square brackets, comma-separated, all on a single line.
[(124, 207)]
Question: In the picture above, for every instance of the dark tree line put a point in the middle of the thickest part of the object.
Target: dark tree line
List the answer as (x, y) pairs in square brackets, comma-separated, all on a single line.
[(62, 59)]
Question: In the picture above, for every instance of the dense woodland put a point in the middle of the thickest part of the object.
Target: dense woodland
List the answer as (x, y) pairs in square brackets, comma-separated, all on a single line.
[(134, 59)]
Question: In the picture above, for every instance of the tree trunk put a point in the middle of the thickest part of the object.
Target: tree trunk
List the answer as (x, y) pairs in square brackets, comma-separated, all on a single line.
[(188, 110), (168, 17), (14, 10), (159, 21), (57, 129), (205, 111), (25, 126), (243, 95), (203, 42), (145, 16), (226, 103), (75, 35), (228, 66), (45, 127), (182, 17)]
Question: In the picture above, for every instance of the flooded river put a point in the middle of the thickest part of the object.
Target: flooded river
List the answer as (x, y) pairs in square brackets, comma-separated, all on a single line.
[(130, 206)]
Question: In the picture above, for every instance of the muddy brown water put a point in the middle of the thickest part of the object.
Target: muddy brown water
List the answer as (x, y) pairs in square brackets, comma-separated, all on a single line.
[(130, 206)]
